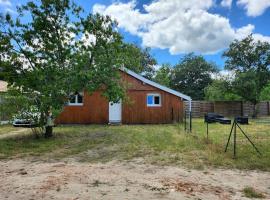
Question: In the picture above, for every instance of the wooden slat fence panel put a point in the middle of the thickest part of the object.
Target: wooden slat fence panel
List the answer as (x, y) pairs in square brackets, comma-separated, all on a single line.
[(227, 108)]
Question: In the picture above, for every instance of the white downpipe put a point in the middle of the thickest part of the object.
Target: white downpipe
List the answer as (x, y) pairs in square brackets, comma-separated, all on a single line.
[(190, 105)]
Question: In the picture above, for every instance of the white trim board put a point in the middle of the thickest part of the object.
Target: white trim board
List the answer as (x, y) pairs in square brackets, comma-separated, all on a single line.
[(152, 83)]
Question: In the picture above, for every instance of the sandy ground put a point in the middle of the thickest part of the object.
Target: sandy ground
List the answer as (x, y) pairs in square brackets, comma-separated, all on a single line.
[(14, 133), (70, 180)]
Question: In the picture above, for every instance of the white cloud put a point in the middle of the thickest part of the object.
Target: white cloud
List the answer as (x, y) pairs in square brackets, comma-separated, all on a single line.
[(244, 31), (226, 3), (8, 10), (194, 30), (6, 7), (127, 16), (247, 30), (261, 37), (254, 7), (5, 2), (180, 26)]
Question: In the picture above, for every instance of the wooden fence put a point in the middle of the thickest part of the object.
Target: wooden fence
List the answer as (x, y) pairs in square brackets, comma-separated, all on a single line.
[(228, 108)]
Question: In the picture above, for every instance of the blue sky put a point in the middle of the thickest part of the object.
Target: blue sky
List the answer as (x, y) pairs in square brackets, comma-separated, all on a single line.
[(173, 28)]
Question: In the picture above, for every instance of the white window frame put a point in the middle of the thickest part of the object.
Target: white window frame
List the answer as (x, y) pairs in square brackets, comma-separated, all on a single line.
[(76, 100), (154, 95)]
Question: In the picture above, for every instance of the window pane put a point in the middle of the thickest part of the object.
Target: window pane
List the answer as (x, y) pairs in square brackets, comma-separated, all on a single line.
[(149, 99), (157, 100), (72, 99), (80, 98)]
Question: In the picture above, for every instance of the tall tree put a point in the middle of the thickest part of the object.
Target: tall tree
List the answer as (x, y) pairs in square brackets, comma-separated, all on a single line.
[(192, 75), (220, 89), (251, 62), (265, 93), (138, 60), (58, 52), (163, 75)]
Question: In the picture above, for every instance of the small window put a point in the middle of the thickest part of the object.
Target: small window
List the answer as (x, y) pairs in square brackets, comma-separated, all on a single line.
[(76, 99), (156, 98), (72, 98), (153, 100), (79, 98)]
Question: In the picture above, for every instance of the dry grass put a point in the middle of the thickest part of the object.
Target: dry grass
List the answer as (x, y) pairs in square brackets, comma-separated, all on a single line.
[(4, 129), (158, 144)]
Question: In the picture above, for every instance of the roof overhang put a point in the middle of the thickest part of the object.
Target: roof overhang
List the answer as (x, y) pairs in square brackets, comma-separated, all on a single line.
[(156, 85)]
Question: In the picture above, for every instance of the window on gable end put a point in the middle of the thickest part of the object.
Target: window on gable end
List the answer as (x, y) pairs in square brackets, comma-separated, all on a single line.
[(76, 99), (153, 100)]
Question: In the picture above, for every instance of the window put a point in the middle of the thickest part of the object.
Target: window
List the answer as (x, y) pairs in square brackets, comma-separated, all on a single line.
[(153, 100), (76, 99)]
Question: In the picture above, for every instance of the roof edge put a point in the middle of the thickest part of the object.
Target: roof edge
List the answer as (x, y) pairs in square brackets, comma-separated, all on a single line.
[(154, 84)]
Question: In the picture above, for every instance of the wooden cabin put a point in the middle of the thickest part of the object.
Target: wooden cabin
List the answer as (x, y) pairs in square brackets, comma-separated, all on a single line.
[(148, 103)]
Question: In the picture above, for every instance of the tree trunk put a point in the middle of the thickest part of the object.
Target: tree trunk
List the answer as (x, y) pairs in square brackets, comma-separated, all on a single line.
[(254, 115), (49, 127), (48, 131)]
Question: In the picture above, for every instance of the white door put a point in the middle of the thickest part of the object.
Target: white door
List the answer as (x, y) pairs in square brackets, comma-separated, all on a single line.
[(115, 112)]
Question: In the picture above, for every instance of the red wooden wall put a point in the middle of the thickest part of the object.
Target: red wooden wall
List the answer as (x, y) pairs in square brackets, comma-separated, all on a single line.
[(95, 109), (135, 110)]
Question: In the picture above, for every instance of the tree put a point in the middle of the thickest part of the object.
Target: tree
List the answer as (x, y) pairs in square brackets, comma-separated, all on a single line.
[(245, 84), (220, 90), (12, 103), (265, 93), (192, 75), (251, 62), (163, 75), (1, 71), (138, 60), (58, 52)]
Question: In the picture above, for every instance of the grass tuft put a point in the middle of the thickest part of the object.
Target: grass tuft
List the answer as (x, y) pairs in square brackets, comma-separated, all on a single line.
[(250, 192)]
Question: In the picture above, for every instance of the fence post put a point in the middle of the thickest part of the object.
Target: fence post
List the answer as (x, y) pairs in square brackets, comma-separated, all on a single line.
[(190, 121), (242, 108), (185, 118)]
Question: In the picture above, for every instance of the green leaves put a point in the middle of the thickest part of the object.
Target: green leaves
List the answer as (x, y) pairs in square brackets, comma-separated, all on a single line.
[(248, 54), (138, 60), (163, 75), (192, 75), (265, 93), (251, 62), (46, 58), (221, 90)]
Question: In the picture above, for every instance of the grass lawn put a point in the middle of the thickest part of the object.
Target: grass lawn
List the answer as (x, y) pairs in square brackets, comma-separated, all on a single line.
[(158, 144), (6, 129)]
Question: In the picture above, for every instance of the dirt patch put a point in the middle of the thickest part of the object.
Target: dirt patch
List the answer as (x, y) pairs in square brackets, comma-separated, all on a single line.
[(194, 189), (18, 132), (24, 179)]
